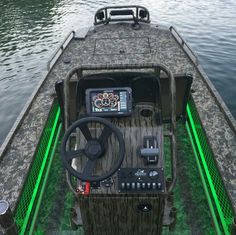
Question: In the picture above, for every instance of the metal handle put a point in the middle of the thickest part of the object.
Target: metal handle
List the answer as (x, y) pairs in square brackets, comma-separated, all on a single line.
[(138, 13), (146, 152), (121, 12)]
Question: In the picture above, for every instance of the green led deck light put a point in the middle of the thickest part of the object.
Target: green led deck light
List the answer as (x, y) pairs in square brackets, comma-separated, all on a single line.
[(216, 204), (26, 211), (31, 200), (36, 189)]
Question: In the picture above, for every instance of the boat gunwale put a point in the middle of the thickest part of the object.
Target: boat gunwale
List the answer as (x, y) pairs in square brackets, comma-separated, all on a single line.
[(222, 105), (218, 99)]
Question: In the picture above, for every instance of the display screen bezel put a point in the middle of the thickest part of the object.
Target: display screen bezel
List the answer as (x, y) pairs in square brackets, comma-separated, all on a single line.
[(127, 112)]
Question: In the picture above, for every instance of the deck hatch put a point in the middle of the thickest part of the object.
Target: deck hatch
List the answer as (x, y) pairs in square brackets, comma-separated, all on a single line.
[(114, 46)]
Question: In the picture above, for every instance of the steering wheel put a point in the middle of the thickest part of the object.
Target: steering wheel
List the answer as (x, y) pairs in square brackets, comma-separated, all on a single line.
[(93, 150)]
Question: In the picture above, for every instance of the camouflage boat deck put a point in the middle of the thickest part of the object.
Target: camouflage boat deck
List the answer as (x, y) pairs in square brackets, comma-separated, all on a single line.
[(118, 44)]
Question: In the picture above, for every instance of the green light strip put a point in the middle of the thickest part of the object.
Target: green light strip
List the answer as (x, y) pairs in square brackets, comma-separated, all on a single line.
[(209, 179), (31, 204), (216, 224), (44, 181)]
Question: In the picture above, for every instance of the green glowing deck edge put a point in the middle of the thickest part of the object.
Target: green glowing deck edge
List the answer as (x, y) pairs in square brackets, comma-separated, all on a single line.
[(214, 217), (198, 146), (31, 204), (44, 181), (208, 184)]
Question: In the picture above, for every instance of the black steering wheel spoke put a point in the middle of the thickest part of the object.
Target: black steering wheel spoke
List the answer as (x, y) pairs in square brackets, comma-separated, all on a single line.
[(88, 169), (103, 138), (93, 150), (85, 130), (74, 154)]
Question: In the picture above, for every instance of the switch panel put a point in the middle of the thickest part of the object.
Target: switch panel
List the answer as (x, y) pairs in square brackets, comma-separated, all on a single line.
[(141, 180)]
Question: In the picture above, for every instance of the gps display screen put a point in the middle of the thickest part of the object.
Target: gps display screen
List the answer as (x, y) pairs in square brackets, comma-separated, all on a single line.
[(108, 102)]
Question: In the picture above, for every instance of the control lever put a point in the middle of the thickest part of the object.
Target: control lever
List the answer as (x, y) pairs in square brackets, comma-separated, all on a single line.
[(150, 150)]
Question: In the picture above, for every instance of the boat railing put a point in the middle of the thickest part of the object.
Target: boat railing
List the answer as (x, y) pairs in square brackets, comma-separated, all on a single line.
[(122, 13), (157, 68), (184, 44), (52, 60)]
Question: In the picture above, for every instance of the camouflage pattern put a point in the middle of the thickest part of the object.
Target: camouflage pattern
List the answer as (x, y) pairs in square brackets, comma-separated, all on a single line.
[(107, 44)]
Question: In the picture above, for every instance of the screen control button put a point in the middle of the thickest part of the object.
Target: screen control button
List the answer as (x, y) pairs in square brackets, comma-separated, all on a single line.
[(138, 185), (133, 185), (143, 185), (122, 185)]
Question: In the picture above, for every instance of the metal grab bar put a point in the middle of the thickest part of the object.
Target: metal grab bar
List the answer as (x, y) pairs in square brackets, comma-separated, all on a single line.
[(138, 13), (60, 49), (183, 43), (79, 72)]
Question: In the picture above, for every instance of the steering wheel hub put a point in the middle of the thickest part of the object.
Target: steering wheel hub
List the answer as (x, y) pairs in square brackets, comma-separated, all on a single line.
[(93, 149)]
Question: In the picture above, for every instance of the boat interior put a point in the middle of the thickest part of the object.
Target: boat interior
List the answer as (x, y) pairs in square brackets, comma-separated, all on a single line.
[(114, 146), (124, 134)]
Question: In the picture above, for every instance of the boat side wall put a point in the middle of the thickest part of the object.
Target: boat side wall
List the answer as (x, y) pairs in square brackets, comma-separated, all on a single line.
[(224, 151), (194, 59)]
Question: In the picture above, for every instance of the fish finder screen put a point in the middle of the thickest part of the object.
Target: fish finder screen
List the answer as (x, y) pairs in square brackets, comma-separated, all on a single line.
[(109, 101)]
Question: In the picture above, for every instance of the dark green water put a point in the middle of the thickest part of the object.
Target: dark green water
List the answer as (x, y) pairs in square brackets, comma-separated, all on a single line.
[(31, 30)]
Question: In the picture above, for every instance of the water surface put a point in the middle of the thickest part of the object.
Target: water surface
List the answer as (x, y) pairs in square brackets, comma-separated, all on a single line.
[(31, 30)]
